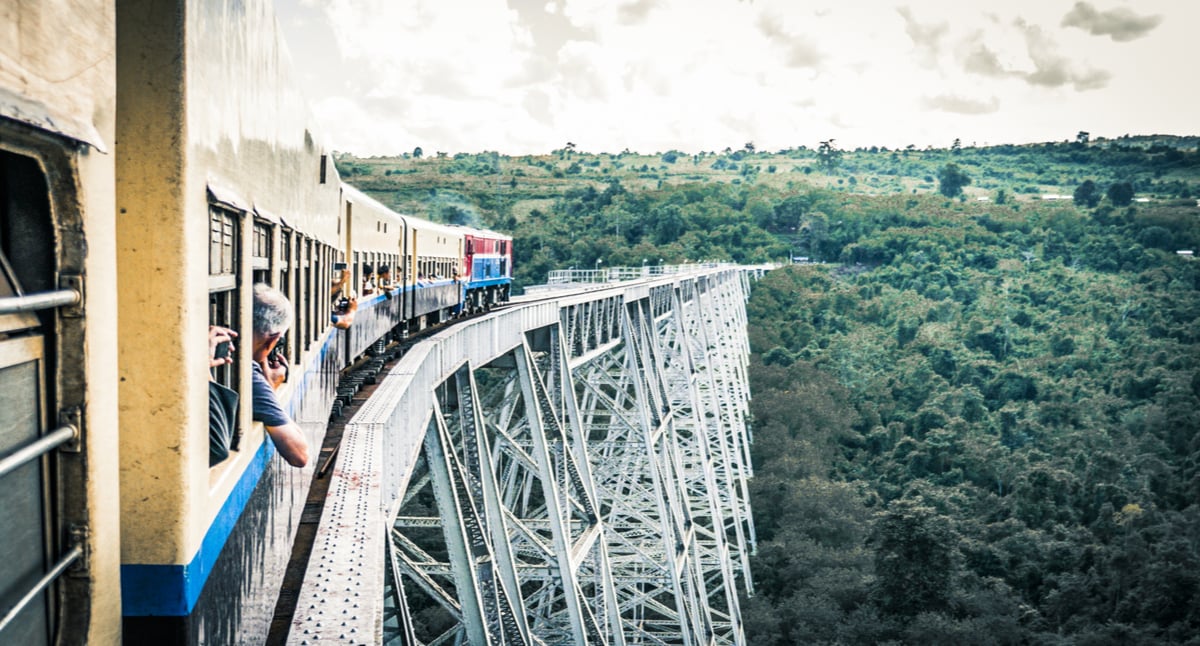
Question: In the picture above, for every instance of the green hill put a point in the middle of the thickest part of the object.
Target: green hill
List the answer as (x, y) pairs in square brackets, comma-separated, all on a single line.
[(978, 423)]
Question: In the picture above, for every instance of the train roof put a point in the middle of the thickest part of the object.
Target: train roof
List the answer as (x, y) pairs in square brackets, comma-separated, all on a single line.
[(483, 233), (356, 196), (426, 225)]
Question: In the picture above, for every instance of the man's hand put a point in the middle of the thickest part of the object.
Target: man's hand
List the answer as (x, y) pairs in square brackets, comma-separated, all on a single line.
[(216, 336), (276, 371)]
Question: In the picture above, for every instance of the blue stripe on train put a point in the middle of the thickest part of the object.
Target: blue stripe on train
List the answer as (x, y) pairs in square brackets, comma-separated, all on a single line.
[(170, 590), (475, 284)]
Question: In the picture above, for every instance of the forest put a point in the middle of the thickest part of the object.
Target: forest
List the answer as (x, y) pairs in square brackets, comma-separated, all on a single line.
[(976, 401)]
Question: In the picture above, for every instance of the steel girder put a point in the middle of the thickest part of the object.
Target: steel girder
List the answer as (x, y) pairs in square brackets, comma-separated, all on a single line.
[(578, 480)]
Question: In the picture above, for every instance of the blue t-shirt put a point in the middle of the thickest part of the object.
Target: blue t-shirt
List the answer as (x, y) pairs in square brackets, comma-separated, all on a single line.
[(266, 407)]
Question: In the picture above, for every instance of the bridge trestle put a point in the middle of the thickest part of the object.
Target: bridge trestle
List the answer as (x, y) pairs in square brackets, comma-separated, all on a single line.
[(571, 471)]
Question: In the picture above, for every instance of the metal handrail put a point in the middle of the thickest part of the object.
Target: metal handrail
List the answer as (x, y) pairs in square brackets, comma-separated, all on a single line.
[(65, 562), (36, 448), (39, 301)]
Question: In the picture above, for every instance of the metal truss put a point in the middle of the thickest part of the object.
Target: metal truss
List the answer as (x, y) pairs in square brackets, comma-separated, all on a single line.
[(583, 484)]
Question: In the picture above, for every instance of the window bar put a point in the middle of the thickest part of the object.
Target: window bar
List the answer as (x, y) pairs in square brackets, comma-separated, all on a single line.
[(39, 301), (36, 448), (65, 562)]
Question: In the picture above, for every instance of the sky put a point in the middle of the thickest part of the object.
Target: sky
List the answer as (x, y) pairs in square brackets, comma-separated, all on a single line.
[(529, 76)]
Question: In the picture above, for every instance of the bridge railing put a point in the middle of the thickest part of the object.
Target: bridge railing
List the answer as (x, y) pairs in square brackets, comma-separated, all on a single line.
[(573, 276)]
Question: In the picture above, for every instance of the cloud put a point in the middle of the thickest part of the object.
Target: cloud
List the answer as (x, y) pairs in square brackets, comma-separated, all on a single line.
[(635, 12), (799, 52), (1091, 80), (985, 62), (1052, 69), (960, 105), (537, 105), (528, 75), (927, 38), (1120, 24)]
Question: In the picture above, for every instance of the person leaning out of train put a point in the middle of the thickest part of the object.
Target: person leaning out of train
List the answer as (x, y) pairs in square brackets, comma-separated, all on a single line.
[(384, 280), (222, 401), (272, 318), (368, 280), (345, 305)]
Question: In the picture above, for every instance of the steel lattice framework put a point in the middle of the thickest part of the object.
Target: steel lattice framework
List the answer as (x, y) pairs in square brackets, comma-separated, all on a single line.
[(569, 471)]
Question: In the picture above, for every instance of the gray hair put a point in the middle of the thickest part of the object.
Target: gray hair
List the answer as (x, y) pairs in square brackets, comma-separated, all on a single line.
[(272, 311)]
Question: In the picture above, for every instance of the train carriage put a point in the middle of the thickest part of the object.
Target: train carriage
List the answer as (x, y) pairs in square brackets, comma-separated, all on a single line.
[(157, 160), (215, 194), (488, 259), (373, 242), (433, 272)]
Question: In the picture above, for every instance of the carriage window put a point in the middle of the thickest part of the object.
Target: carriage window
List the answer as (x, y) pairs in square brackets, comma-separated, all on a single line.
[(286, 283), (223, 280), (308, 294), (222, 242), (261, 252), (285, 263), (314, 298)]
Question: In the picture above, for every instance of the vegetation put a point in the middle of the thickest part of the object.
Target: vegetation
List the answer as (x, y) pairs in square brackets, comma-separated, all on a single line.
[(977, 422)]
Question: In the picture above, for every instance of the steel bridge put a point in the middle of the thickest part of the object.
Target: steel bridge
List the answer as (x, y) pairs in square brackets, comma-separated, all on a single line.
[(569, 470)]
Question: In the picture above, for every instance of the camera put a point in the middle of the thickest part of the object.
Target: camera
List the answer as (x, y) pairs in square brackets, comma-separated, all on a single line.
[(343, 304), (222, 350), (278, 351)]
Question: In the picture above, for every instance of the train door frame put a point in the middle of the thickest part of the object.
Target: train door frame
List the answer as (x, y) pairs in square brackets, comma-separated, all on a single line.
[(64, 439)]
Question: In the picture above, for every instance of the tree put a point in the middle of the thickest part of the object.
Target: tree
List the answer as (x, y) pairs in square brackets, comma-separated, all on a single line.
[(951, 180), (417, 152), (1087, 194), (1082, 137), (915, 559), (828, 155), (956, 147), (749, 146), (1120, 193)]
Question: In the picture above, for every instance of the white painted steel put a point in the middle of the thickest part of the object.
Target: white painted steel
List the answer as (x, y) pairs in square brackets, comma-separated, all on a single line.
[(568, 471)]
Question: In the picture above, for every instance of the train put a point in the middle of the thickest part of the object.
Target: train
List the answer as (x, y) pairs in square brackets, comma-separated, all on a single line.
[(157, 160)]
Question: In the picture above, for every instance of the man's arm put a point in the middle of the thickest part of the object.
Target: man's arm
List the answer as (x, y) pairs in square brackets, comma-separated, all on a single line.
[(288, 436), (289, 441)]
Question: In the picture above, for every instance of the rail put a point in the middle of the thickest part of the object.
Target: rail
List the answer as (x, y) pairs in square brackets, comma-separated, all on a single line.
[(37, 448), (39, 301), (74, 554), (600, 274)]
